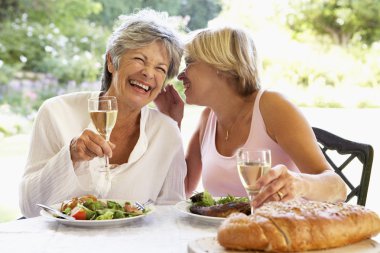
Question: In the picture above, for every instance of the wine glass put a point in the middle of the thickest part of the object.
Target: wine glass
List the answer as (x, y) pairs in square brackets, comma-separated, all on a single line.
[(252, 164), (103, 113)]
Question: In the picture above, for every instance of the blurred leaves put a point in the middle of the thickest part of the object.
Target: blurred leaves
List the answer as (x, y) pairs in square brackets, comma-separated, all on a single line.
[(46, 36), (50, 47), (343, 21), (63, 41), (112, 9), (200, 12), (68, 37)]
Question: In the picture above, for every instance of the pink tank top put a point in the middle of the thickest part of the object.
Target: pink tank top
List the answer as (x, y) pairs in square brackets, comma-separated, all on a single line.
[(219, 173)]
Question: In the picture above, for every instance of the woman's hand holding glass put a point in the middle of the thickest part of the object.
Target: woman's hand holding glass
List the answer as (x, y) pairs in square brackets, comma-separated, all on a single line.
[(103, 112), (279, 184), (89, 145), (252, 164)]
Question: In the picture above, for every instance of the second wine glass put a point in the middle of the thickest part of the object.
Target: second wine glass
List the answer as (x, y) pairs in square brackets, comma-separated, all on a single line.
[(252, 164), (103, 113)]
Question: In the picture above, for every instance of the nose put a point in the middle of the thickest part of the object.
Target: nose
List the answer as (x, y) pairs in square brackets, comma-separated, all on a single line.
[(182, 75), (148, 72)]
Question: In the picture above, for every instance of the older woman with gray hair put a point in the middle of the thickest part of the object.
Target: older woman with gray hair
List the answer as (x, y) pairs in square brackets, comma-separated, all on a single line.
[(66, 151)]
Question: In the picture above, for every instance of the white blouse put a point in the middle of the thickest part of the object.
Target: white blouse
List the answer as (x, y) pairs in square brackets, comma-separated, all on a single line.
[(156, 168)]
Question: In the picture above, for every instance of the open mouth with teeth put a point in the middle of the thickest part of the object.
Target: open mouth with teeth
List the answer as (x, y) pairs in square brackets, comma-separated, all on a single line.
[(141, 86)]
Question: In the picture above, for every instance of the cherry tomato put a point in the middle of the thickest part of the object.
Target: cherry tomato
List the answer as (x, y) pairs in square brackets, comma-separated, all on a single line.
[(78, 213)]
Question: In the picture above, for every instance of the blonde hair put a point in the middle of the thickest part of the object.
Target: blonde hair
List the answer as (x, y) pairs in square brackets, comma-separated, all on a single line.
[(229, 50)]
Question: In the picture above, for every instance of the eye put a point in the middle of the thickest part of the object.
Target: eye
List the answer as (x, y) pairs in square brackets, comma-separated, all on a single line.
[(188, 61), (139, 59), (162, 70)]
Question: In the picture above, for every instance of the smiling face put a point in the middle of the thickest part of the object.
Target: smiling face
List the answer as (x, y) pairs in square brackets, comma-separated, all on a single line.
[(201, 82), (140, 76)]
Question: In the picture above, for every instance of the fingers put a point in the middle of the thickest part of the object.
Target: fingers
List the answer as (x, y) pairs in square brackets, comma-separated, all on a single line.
[(175, 95), (89, 145), (169, 102), (160, 97), (98, 145), (273, 186), (169, 91), (163, 100), (272, 175)]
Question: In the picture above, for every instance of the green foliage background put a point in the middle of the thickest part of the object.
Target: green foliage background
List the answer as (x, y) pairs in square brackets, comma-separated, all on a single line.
[(319, 50), (342, 21)]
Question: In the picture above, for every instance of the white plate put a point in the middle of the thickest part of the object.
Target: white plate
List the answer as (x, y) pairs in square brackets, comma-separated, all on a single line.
[(211, 245), (184, 207), (96, 223)]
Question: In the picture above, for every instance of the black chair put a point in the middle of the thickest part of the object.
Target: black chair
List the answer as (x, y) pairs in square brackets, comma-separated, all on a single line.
[(348, 151)]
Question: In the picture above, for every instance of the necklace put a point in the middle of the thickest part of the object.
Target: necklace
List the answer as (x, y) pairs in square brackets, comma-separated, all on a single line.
[(226, 138), (228, 131)]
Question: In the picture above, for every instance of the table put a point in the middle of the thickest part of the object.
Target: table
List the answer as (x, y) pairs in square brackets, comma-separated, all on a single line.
[(166, 230)]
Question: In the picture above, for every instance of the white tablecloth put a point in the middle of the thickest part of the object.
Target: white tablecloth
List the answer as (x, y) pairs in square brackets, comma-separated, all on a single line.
[(165, 230)]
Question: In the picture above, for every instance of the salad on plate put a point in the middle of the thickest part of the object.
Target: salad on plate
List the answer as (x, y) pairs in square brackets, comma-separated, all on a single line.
[(88, 207)]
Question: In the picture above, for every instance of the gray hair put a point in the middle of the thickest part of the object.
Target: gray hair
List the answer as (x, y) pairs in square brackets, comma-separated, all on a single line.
[(139, 30)]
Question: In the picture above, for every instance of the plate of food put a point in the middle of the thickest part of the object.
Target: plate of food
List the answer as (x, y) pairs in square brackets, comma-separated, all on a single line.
[(205, 207), (88, 211)]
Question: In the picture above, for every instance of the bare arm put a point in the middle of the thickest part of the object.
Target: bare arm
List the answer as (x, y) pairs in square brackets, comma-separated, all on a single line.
[(193, 155), (288, 127)]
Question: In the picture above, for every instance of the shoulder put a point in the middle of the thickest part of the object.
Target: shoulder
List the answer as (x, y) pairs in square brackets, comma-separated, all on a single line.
[(162, 129), (203, 122), (203, 119), (276, 104), (72, 99), (64, 105), (279, 113), (270, 98), (161, 120), (204, 116)]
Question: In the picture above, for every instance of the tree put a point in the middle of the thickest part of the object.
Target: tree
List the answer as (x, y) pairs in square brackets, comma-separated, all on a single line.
[(112, 9), (67, 38), (344, 21), (200, 12), (49, 36)]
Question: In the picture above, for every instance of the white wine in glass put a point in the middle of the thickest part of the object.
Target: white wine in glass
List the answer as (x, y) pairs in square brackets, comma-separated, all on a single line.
[(252, 164), (103, 112)]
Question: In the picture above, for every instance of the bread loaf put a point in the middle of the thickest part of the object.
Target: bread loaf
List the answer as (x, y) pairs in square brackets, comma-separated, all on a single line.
[(298, 226)]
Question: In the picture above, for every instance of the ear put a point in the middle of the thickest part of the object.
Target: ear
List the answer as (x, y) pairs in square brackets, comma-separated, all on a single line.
[(110, 66)]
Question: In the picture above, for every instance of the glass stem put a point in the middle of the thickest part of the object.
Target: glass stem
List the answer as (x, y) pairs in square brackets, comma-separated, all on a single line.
[(251, 198), (107, 164), (107, 161)]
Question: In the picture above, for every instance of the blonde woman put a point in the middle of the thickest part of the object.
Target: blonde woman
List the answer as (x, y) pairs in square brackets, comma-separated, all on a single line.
[(222, 74)]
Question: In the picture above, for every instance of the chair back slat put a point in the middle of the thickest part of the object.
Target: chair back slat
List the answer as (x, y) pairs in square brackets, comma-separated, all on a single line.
[(363, 153)]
